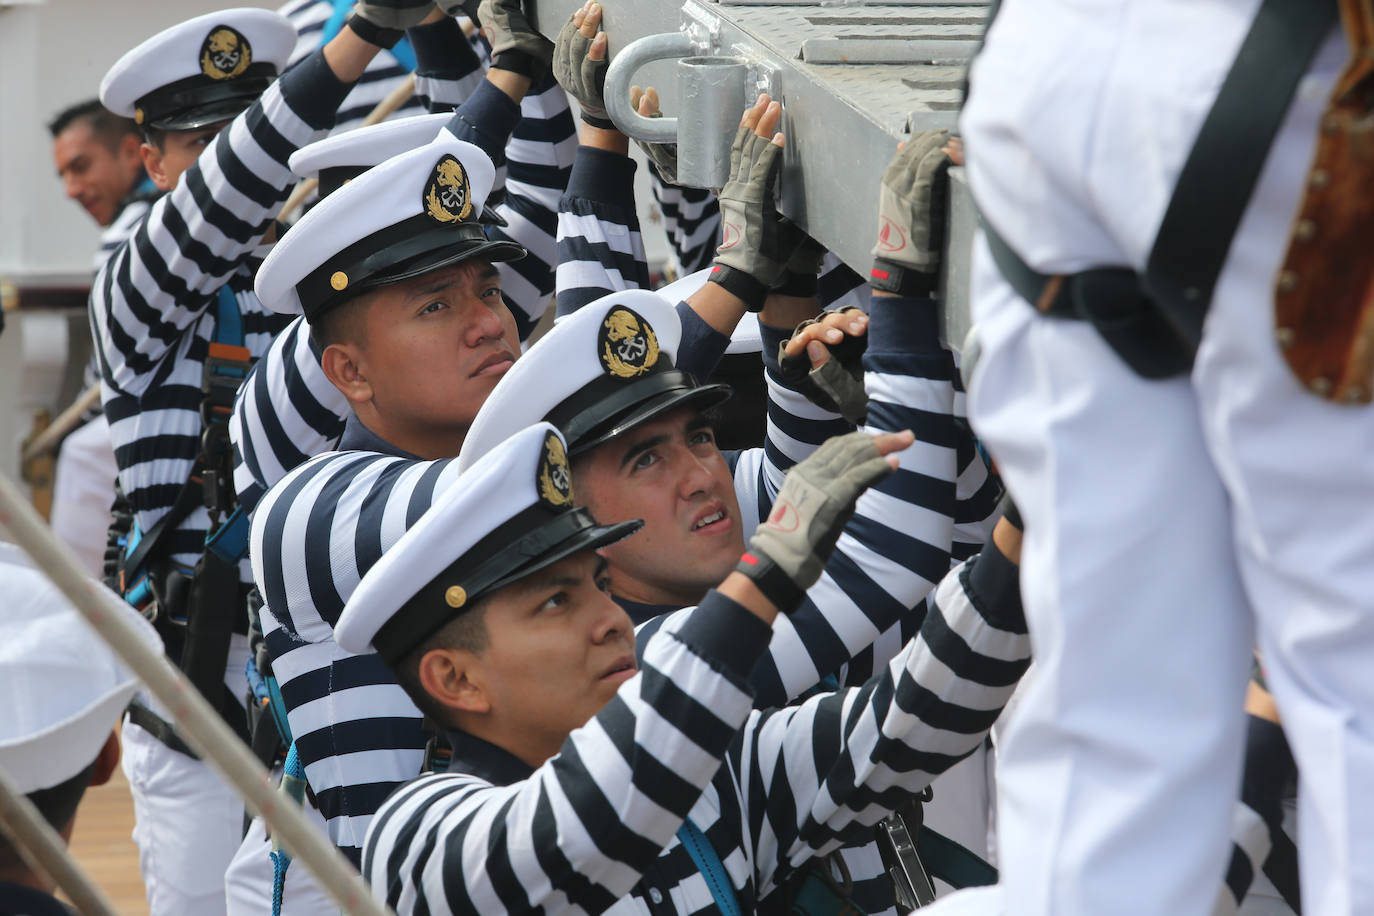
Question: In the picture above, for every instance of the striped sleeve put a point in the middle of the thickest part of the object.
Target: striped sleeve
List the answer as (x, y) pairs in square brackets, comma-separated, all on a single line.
[(578, 834), (286, 411), (314, 535), (1258, 839), (896, 547), (691, 218), (383, 74), (532, 165), (165, 276), (814, 775), (539, 160), (600, 250), (115, 234)]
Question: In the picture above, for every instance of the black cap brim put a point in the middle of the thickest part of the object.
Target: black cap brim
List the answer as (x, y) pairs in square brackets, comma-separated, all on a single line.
[(493, 250), (702, 397), (586, 539), (202, 116)]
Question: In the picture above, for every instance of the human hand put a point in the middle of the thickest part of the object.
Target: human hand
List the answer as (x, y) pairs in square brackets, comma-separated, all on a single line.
[(393, 15), (756, 240), (515, 45), (579, 63), (824, 361), (788, 552), (911, 215)]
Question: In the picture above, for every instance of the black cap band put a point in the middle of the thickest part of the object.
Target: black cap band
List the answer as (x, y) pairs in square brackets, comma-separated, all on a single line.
[(603, 399), (402, 250), (198, 100), (534, 538)]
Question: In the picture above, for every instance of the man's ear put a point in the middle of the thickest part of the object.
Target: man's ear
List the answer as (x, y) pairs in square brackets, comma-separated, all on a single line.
[(342, 366), (106, 761), (454, 678), (152, 164), (129, 151)]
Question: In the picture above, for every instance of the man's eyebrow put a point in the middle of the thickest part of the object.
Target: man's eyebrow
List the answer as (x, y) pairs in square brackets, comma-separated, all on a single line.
[(640, 447), (438, 285), (488, 272)]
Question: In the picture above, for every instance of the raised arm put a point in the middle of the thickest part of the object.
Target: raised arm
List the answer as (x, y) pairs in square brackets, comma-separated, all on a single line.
[(854, 756), (579, 832)]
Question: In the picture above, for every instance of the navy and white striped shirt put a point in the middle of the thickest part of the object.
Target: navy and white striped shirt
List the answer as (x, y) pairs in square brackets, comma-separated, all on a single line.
[(594, 829)]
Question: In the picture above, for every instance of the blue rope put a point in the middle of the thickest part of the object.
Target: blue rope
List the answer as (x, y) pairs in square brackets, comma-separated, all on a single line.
[(293, 785), (707, 861)]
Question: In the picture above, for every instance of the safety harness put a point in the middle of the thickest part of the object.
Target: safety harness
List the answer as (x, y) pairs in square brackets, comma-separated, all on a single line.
[(193, 609), (1154, 320)]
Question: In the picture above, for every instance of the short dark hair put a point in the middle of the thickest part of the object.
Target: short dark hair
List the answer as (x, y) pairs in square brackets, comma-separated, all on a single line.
[(342, 323), (467, 631), (57, 804), (107, 126)]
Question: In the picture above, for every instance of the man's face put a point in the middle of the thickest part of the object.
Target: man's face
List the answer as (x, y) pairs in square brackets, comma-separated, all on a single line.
[(431, 351), (669, 473), (557, 650), (93, 174), (180, 150)]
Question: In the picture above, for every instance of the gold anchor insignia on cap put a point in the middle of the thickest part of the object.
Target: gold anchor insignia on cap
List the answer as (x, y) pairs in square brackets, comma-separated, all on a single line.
[(626, 344), (338, 280), (225, 53), (554, 479), (456, 596), (448, 197)]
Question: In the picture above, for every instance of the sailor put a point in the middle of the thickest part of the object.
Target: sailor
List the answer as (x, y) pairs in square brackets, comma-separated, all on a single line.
[(1186, 459), (62, 692), (288, 410), (97, 158), (599, 784), (176, 325)]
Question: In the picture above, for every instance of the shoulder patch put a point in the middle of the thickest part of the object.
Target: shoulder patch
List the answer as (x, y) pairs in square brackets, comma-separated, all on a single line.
[(626, 344), (225, 53)]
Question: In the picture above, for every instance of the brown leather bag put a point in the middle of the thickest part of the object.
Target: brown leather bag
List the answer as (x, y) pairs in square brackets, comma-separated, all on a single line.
[(1324, 295)]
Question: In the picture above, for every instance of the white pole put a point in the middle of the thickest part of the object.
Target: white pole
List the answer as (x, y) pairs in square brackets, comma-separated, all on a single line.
[(39, 845), (197, 722)]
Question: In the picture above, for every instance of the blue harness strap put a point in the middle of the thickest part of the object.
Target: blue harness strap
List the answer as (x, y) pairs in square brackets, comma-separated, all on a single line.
[(403, 52), (292, 786), (228, 318), (708, 862)]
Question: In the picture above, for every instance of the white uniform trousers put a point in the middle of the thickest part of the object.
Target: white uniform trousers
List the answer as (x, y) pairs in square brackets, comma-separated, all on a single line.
[(1160, 515), (188, 822), (82, 492), (248, 882)]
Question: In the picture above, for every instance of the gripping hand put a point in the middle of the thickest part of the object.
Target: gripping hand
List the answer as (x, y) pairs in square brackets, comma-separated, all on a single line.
[(788, 552)]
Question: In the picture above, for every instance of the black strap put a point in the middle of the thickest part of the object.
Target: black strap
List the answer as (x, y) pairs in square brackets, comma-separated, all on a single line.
[(159, 728), (1217, 180), (1155, 322), (188, 497)]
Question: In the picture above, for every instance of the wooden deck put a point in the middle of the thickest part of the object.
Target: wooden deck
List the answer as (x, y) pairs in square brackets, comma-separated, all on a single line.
[(102, 845)]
